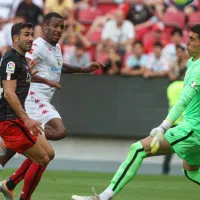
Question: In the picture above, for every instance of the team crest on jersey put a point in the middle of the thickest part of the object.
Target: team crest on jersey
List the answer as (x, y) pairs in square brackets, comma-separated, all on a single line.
[(193, 84), (59, 62), (10, 67)]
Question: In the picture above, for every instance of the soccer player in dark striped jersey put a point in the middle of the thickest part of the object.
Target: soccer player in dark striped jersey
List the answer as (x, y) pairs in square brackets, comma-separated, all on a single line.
[(19, 132)]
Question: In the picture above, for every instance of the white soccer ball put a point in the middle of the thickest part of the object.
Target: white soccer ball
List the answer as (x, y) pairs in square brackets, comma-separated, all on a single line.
[(182, 2)]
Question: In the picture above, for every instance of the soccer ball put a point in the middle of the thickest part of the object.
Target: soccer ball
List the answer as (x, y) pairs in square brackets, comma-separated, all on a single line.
[(182, 2)]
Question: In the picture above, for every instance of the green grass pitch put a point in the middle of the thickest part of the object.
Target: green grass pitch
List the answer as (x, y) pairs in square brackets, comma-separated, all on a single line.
[(61, 185)]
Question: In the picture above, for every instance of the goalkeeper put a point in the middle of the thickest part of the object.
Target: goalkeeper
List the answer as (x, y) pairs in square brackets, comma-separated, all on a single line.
[(184, 139)]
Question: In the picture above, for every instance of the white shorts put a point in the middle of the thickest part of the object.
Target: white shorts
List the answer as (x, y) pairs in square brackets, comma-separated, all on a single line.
[(40, 110)]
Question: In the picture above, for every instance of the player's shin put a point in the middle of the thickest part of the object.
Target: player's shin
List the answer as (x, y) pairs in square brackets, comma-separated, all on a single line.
[(193, 176), (126, 171), (31, 180), (18, 175)]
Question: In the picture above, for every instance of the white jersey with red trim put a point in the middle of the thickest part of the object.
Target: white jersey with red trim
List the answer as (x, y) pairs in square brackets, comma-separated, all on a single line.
[(49, 67)]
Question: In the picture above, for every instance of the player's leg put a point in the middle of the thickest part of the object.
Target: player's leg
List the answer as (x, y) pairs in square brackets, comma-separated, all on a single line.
[(166, 164), (20, 173), (37, 149), (129, 167), (26, 171), (55, 129), (6, 155), (192, 172)]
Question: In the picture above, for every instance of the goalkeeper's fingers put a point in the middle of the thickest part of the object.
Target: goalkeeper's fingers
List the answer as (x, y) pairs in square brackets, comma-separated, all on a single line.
[(155, 145)]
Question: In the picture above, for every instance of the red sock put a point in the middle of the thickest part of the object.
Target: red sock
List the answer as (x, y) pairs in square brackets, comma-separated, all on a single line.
[(31, 180), (18, 175)]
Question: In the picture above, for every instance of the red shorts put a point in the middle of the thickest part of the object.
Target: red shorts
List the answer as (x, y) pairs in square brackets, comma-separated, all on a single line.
[(16, 135)]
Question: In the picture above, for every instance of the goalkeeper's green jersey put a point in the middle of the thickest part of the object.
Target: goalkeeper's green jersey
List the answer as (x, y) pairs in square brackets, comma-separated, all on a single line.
[(192, 79), (189, 100)]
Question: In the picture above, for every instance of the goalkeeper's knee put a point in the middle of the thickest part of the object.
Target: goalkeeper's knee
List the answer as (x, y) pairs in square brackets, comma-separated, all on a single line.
[(137, 151), (193, 176)]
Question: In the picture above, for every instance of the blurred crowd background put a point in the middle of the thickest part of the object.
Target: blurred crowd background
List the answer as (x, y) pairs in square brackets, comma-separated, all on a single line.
[(131, 37)]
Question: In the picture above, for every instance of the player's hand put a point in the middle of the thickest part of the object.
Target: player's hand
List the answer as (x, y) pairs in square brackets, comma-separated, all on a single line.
[(53, 83), (93, 66), (158, 134), (32, 64), (34, 126)]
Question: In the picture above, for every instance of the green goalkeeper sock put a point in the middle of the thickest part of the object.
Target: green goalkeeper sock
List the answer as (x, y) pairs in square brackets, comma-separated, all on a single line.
[(128, 168), (193, 176)]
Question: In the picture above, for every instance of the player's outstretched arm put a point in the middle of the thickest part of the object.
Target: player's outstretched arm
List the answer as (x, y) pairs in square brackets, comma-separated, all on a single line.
[(74, 69)]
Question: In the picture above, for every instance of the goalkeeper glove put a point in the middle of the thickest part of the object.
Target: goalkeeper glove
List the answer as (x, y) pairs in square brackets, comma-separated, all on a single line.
[(158, 134)]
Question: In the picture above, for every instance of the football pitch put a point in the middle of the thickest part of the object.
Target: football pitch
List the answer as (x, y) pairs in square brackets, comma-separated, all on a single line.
[(61, 185)]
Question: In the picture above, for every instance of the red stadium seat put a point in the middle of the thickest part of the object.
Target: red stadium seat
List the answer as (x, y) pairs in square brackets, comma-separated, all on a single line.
[(174, 19), (95, 37), (88, 15), (106, 5), (194, 19)]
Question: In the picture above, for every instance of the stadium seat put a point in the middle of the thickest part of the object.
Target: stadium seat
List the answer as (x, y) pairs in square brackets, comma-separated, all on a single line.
[(88, 15), (174, 19), (194, 19), (95, 37), (106, 6)]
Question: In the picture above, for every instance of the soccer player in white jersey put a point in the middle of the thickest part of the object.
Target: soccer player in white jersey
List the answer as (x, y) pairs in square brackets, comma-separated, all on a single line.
[(43, 86)]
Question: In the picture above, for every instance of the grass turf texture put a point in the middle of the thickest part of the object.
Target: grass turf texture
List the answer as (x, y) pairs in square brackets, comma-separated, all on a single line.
[(59, 185)]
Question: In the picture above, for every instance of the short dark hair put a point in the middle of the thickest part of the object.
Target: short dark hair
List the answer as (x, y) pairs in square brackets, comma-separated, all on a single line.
[(179, 46), (177, 30), (50, 15), (138, 42), (16, 28), (79, 45), (196, 29), (158, 44)]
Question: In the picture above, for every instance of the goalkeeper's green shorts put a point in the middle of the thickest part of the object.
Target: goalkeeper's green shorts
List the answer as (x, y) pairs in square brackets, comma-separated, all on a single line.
[(185, 143)]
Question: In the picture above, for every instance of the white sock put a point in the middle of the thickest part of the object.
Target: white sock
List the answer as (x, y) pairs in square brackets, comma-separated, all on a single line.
[(108, 193), (1, 168)]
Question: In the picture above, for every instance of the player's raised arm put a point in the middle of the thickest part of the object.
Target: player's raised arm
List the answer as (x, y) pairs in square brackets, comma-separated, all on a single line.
[(74, 69)]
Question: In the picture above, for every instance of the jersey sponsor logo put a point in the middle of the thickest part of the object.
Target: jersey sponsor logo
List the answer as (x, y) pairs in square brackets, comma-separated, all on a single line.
[(56, 69), (10, 67), (193, 84)]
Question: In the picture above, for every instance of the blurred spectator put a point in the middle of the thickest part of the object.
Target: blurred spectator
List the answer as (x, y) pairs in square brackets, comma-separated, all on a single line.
[(169, 51), (58, 5), (68, 42), (82, 4), (156, 64), (37, 31), (31, 12), (113, 63), (158, 7), (79, 57), (7, 10), (6, 32), (157, 35), (99, 23), (141, 16), (178, 68), (118, 33), (136, 63)]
